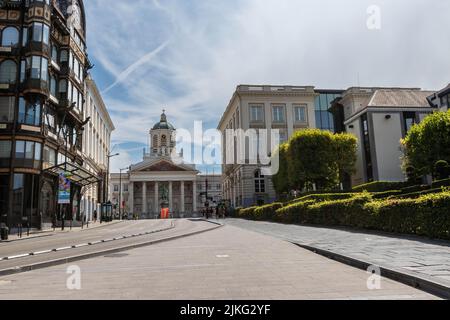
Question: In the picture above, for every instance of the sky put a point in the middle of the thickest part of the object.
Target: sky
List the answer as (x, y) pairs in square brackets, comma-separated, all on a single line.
[(188, 56)]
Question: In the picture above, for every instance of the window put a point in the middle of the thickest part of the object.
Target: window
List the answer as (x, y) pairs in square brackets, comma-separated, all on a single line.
[(8, 72), (64, 56), (164, 141), (54, 53), (7, 107), (256, 113), (410, 120), (41, 33), (260, 182), (116, 188), (5, 153), (125, 187), (367, 148), (28, 154), (49, 119), (39, 67), (49, 157), (29, 113), (300, 114), (278, 114), (53, 86), (10, 37)]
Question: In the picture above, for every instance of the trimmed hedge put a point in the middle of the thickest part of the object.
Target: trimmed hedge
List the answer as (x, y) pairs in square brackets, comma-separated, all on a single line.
[(267, 212), (441, 183), (324, 197), (428, 215), (380, 186), (417, 188), (386, 194)]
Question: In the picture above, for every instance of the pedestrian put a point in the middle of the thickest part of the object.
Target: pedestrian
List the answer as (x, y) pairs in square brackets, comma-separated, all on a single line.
[(95, 216)]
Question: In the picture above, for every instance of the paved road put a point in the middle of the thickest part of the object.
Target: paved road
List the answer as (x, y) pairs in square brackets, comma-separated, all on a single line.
[(226, 263), (418, 256), (156, 229)]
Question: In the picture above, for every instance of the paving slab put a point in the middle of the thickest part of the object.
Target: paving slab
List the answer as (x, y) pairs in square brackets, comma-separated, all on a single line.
[(227, 263), (415, 256)]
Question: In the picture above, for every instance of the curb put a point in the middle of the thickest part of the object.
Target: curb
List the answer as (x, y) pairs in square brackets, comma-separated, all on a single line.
[(61, 261), (49, 233), (396, 274)]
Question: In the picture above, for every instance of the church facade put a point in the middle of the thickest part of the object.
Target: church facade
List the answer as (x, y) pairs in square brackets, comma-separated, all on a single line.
[(157, 182)]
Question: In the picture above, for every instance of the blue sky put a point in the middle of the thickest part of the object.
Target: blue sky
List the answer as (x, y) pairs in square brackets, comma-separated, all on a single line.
[(188, 56)]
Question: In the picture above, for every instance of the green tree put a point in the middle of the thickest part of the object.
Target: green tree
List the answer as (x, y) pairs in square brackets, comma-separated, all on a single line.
[(345, 150), (311, 158), (280, 180), (427, 143)]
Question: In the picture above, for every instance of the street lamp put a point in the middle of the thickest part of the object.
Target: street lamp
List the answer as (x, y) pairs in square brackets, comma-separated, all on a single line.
[(105, 187), (120, 192)]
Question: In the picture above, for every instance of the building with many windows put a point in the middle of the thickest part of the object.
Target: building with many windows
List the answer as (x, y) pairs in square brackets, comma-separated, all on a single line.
[(43, 63), (96, 149), (380, 118), (285, 108)]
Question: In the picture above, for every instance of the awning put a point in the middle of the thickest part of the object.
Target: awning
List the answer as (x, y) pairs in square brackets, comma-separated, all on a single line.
[(77, 174)]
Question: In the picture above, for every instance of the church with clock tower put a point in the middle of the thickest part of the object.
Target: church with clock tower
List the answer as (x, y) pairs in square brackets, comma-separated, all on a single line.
[(157, 182)]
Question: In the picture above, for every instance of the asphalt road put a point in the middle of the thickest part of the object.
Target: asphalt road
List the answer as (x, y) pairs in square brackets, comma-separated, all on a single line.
[(68, 245)]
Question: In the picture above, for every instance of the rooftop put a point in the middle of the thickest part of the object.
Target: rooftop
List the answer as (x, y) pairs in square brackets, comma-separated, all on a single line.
[(400, 98)]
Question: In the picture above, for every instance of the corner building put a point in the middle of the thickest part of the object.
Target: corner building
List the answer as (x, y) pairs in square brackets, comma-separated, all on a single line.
[(43, 63)]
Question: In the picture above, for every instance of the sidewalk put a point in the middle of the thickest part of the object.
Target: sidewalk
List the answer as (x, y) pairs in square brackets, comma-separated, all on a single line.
[(409, 256), (49, 232)]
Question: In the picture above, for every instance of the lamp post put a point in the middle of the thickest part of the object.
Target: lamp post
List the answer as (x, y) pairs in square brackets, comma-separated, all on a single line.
[(120, 192), (106, 183)]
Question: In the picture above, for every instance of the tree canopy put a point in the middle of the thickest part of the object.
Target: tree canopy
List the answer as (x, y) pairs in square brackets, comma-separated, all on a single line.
[(427, 144), (315, 157)]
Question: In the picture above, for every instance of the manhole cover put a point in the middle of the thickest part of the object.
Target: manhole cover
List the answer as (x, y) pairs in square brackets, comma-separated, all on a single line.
[(117, 255)]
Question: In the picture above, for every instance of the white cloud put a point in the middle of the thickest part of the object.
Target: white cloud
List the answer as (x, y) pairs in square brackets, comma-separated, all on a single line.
[(206, 48)]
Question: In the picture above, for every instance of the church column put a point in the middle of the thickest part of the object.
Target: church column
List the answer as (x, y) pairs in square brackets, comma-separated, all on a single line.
[(194, 196), (144, 197), (182, 197), (131, 197), (157, 197), (170, 196)]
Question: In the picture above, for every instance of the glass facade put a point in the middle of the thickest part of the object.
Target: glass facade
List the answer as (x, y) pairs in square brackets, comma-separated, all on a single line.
[(324, 119)]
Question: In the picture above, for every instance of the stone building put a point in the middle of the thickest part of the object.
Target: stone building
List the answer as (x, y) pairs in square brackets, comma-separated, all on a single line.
[(157, 182)]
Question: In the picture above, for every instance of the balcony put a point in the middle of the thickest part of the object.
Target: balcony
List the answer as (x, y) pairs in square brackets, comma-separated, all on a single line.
[(35, 86)]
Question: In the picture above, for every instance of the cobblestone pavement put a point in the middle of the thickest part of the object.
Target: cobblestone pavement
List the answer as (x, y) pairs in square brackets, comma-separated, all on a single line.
[(224, 264), (427, 258)]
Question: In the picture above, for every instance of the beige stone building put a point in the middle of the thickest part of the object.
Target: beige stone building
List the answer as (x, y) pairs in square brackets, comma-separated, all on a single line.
[(96, 148), (286, 108)]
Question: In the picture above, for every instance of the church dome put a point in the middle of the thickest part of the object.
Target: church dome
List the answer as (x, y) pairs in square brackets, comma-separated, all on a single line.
[(163, 124)]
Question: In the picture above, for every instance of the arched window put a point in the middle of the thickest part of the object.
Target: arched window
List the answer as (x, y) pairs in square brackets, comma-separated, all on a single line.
[(260, 182), (8, 72), (10, 37), (163, 141)]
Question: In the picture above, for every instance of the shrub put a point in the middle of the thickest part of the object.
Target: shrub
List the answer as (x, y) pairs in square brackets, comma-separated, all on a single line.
[(386, 194), (441, 170), (415, 195), (428, 215), (247, 213), (267, 212), (317, 196), (441, 183), (294, 213), (350, 212), (380, 186), (417, 188)]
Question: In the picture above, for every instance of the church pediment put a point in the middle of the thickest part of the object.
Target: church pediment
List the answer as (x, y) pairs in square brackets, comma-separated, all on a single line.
[(162, 166)]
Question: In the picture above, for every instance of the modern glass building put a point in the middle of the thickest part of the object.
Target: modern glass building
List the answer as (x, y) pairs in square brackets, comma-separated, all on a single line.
[(323, 102)]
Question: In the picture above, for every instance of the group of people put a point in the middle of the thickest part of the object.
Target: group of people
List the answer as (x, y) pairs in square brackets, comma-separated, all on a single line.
[(218, 213)]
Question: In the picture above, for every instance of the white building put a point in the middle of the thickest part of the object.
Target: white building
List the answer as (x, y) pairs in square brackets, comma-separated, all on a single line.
[(157, 182), (96, 148), (380, 118)]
